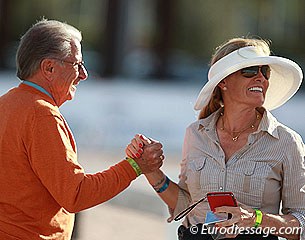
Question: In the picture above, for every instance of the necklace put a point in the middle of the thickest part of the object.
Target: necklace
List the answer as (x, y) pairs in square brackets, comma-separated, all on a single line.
[(236, 134)]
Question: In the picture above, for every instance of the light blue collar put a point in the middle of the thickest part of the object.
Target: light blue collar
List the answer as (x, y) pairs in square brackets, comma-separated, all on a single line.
[(39, 88)]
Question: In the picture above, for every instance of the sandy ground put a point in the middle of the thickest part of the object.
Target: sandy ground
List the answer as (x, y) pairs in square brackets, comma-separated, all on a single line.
[(114, 222), (137, 213)]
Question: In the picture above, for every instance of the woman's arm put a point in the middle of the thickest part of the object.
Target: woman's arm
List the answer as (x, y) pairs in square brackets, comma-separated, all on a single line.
[(166, 189), (169, 195)]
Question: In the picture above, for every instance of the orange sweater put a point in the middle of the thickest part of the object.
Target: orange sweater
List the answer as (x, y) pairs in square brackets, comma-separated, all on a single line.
[(41, 183)]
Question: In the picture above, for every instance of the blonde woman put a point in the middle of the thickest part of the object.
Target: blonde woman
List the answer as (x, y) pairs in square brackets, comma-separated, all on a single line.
[(238, 146)]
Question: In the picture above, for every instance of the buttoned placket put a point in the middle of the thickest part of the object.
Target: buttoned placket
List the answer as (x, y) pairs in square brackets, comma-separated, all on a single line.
[(223, 166), (219, 158)]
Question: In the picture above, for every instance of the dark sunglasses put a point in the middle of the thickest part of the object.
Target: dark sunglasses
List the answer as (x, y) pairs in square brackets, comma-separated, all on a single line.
[(250, 72)]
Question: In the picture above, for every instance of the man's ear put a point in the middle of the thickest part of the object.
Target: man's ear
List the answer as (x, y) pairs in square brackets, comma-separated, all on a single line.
[(47, 68)]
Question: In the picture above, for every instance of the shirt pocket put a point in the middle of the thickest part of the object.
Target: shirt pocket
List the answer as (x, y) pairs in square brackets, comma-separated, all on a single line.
[(199, 176), (249, 182)]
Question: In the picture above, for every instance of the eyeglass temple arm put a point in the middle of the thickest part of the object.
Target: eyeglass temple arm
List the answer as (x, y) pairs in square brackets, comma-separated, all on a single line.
[(188, 209)]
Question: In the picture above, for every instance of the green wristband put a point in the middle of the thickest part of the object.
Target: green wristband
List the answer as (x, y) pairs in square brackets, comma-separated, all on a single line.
[(135, 166), (259, 218)]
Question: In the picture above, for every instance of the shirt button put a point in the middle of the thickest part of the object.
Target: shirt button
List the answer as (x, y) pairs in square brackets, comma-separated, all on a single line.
[(220, 188)]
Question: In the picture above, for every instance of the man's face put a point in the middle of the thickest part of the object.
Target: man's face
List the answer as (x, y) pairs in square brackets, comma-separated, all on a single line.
[(68, 73)]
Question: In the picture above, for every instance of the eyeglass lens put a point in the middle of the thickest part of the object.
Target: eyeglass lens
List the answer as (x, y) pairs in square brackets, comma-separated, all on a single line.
[(250, 72), (79, 65)]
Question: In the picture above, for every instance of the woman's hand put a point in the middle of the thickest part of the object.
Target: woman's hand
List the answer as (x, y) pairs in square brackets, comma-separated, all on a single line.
[(242, 217), (150, 160)]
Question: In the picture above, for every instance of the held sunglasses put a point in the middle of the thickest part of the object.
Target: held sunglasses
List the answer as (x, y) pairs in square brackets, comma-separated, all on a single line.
[(250, 72)]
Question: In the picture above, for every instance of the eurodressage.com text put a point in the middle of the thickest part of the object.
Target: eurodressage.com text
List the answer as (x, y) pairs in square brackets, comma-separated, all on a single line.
[(265, 232)]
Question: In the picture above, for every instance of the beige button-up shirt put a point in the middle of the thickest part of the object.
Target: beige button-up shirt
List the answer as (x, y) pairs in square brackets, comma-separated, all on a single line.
[(268, 172)]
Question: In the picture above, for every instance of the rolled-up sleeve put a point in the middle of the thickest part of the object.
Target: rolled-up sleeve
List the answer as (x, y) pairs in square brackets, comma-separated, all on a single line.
[(293, 194)]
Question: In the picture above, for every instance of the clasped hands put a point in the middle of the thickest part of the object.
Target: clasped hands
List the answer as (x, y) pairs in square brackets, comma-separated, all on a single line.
[(146, 152)]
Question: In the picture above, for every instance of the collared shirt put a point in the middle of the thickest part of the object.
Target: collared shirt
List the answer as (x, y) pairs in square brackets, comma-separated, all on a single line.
[(268, 172)]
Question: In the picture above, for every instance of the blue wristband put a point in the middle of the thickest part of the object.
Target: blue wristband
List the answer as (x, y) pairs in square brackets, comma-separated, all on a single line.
[(164, 187)]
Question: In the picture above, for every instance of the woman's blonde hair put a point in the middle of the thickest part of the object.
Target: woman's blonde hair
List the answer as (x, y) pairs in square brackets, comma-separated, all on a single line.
[(230, 46)]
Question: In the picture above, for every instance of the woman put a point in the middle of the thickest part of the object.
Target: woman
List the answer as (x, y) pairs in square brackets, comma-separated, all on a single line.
[(238, 146)]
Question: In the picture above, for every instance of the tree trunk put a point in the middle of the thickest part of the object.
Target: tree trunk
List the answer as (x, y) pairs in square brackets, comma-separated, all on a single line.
[(114, 34), (4, 31), (164, 36)]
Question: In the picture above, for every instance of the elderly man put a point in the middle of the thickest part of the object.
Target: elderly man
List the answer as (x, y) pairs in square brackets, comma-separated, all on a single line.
[(42, 184)]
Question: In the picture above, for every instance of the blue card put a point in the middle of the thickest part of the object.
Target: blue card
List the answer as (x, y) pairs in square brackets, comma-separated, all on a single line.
[(215, 217)]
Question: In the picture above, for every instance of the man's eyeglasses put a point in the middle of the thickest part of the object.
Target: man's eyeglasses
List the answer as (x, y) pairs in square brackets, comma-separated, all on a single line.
[(250, 72), (79, 65)]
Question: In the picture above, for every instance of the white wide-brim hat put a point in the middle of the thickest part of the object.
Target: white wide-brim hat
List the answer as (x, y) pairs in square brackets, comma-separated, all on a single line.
[(285, 79)]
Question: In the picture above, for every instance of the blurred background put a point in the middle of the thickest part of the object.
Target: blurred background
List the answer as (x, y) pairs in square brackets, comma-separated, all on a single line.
[(147, 61)]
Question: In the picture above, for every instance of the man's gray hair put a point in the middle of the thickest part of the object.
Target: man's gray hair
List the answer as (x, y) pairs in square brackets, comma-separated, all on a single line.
[(45, 39)]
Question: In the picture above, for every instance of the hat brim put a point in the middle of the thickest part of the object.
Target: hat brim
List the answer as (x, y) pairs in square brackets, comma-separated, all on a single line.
[(285, 79)]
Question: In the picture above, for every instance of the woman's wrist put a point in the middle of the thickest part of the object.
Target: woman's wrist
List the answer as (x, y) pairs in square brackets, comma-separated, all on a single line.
[(164, 186), (154, 177), (159, 183), (158, 180)]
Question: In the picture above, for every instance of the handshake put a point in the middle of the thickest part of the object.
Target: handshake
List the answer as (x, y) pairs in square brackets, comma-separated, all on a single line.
[(147, 153)]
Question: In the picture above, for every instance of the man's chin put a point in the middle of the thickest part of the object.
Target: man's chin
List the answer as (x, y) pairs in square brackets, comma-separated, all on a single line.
[(72, 93)]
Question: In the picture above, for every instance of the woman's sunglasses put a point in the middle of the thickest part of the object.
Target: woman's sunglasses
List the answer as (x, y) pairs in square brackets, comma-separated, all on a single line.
[(250, 72)]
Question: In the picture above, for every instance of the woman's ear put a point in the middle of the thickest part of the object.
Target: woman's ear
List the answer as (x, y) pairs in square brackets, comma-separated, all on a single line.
[(222, 85), (47, 69)]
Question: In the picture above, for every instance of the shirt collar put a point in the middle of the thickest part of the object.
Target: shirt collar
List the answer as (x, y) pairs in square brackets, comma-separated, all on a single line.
[(269, 124), (209, 125), (209, 122)]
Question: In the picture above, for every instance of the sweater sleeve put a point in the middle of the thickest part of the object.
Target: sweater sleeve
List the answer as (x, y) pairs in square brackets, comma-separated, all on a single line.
[(53, 157)]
